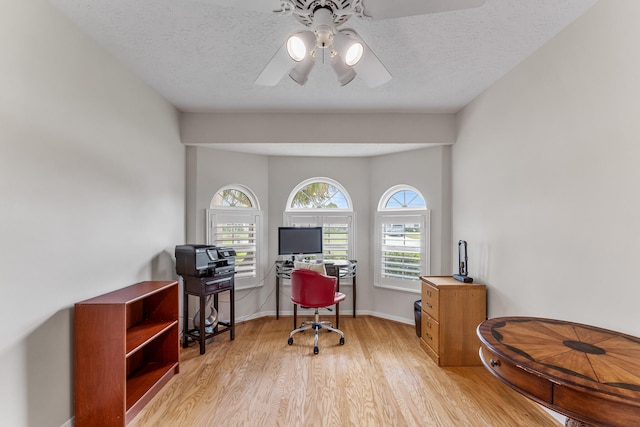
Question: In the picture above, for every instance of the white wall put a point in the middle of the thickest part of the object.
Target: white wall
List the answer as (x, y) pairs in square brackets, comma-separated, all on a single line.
[(93, 189), (92, 184), (366, 179), (429, 171), (273, 178), (545, 177), (353, 173), (208, 170), (311, 128)]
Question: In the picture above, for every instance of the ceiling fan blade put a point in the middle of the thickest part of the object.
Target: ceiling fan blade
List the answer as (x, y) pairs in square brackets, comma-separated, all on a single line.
[(369, 68), (385, 9), (266, 6), (280, 65)]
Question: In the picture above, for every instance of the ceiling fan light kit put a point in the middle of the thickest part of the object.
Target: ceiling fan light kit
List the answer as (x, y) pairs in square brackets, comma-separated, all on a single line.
[(349, 56), (343, 48), (343, 51)]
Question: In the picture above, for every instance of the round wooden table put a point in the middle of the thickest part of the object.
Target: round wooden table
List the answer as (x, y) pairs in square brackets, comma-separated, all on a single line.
[(589, 374)]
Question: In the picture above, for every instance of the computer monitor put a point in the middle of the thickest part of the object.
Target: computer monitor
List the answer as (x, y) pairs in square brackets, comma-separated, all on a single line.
[(299, 240)]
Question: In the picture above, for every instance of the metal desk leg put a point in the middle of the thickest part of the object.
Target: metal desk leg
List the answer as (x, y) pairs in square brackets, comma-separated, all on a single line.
[(277, 297), (354, 295), (201, 326), (232, 309), (185, 319)]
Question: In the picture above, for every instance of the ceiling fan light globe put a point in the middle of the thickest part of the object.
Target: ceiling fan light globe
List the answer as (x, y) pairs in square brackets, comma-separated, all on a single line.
[(347, 77), (299, 77), (354, 54), (344, 74), (296, 48), (300, 73), (349, 48)]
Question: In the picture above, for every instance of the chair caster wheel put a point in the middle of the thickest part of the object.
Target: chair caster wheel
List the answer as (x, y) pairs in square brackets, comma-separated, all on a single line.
[(341, 340), (290, 341), (316, 350)]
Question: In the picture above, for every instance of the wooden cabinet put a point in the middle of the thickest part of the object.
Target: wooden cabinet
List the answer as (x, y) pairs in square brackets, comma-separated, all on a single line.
[(451, 312), (126, 347)]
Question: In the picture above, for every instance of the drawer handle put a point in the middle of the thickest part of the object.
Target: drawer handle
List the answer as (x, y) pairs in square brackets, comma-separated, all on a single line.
[(428, 336), (494, 363), (428, 293), (428, 305)]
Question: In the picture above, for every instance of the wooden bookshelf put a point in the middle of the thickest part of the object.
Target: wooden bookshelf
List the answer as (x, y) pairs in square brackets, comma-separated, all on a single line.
[(126, 347)]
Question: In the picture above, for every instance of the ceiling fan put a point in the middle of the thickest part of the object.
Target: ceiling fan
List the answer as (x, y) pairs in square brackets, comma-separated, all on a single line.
[(344, 49)]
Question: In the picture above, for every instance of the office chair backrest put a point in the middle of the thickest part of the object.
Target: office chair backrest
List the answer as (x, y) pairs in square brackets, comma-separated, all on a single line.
[(312, 289)]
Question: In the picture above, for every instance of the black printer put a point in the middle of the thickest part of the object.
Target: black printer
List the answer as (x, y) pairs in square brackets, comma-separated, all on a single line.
[(204, 260)]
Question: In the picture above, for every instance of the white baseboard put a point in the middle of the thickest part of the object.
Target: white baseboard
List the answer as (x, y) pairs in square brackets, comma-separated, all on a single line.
[(386, 316), (559, 417), (240, 319), (69, 423)]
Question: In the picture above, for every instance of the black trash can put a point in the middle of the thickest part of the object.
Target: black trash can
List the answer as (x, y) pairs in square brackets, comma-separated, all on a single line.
[(417, 312)]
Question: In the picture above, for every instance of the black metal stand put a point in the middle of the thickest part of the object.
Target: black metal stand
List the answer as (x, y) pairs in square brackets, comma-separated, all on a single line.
[(202, 287), (462, 263)]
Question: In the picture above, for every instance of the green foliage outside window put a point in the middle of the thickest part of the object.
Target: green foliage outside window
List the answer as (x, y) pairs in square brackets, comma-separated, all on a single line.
[(319, 195), (233, 198)]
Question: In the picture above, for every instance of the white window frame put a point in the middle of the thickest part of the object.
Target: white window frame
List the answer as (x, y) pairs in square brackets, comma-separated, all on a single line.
[(321, 217), (248, 215), (405, 215)]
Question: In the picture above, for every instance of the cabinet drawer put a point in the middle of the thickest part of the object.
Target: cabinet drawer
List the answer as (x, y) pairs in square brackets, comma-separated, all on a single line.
[(431, 332), (207, 285), (599, 408), (430, 300), (432, 354), (216, 285), (525, 382)]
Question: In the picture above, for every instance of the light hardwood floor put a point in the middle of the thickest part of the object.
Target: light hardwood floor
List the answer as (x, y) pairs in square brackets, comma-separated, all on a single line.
[(380, 377)]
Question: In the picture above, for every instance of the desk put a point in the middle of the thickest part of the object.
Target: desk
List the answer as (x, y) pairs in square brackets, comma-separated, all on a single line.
[(339, 269), (589, 374), (203, 287)]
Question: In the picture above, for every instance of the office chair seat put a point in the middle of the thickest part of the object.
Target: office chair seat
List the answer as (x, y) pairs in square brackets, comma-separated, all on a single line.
[(311, 289)]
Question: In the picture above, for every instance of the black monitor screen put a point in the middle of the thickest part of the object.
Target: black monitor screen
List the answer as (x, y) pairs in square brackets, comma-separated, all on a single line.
[(299, 240)]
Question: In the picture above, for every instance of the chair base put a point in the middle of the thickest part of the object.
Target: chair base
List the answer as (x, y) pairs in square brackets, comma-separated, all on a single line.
[(316, 325)]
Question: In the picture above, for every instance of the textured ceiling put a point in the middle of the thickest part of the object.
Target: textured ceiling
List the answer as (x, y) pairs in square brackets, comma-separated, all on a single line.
[(204, 58)]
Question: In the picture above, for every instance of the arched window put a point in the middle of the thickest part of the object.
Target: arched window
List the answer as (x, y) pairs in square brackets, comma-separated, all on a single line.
[(324, 202), (402, 237), (232, 197), (234, 220)]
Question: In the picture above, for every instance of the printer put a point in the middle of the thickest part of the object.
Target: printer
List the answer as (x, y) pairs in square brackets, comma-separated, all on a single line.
[(204, 260)]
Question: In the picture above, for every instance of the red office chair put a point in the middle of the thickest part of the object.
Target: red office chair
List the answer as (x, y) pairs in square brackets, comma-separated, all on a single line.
[(311, 289)]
